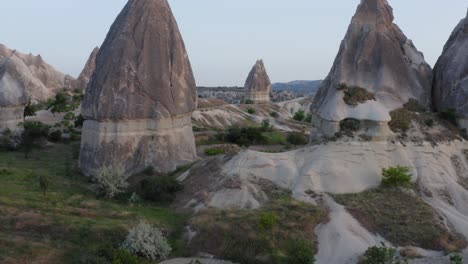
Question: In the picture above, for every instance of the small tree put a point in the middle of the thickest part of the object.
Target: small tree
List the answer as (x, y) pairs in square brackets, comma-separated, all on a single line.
[(381, 255), (110, 181), (299, 115), (147, 241), (296, 139), (396, 176), (266, 127), (29, 110), (32, 134), (300, 252), (251, 111), (456, 259)]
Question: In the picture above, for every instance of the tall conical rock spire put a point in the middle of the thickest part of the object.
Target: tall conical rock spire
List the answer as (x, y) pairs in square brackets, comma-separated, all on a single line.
[(375, 60), (450, 88), (140, 98), (258, 85)]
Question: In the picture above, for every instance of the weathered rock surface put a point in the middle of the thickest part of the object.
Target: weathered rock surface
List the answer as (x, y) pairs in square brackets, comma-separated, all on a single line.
[(24, 77), (375, 55), (88, 70), (41, 80), (450, 88), (258, 84), (139, 101)]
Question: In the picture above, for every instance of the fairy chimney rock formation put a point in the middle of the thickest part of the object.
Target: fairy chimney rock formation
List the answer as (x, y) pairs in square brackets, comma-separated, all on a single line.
[(88, 70), (377, 70), (139, 101), (258, 85), (450, 87)]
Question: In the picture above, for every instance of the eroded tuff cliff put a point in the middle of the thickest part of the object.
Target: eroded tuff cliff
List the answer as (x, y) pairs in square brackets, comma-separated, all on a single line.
[(139, 101)]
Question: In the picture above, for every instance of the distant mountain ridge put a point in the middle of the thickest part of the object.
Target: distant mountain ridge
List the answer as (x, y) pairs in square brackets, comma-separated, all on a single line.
[(298, 87)]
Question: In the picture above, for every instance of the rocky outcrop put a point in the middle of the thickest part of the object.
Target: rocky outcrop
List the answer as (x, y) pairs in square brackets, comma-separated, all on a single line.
[(258, 84), (450, 88), (140, 98), (85, 75), (13, 96), (41, 80), (378, 67)]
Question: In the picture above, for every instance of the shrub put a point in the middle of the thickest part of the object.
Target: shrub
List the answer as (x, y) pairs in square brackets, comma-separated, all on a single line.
[(266, 127), (251, 111), (354, 95), (300, 252), (244, 136), (110, 181), (214, 151), (450, 115), (456, 259), (396, 176), (30, 109), (79, 121), (10, 140), (268, 220), (308, 118), (296, 139), (55, 136), (120, 256), (381, 255), (401, 120), (147, 241), (350, 124), (161, 188), (274, 114), (299, 115), (429, 122), (32, 134), (248, 101)]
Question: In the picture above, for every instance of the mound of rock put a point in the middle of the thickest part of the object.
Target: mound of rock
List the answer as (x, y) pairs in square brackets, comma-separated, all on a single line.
[(88, 70), (377, 70), (139, 101), (450, 90), (40, 79), (258, 84)]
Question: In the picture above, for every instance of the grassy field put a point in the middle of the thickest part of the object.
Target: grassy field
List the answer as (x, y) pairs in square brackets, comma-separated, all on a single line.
[(68, 224)]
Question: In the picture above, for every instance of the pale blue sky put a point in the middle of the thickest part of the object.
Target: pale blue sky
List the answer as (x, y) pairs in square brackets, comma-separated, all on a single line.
[(298, 39)]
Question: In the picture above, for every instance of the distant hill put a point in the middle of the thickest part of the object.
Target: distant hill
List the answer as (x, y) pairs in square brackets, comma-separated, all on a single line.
[(298, 87)]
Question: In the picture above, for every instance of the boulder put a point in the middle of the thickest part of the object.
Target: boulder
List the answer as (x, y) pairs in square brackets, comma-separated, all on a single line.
[(258, 85), (140, 98), (450, 87), (377, 70)]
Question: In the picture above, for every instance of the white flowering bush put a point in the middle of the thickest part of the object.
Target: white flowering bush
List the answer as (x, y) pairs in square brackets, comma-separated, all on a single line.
[(147, 241), (110, 181)]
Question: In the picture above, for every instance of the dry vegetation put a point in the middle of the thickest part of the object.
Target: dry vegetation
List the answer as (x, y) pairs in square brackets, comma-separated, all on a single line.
[(354, 95), (257, 236), (401, 217)]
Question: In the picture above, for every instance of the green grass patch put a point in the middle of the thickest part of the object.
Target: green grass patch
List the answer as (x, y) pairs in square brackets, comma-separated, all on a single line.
[(401, 217), (69, 223), (268, 235)]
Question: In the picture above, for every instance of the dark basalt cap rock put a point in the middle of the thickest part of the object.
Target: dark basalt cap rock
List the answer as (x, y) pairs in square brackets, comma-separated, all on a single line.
[(258, 80), (142, 68), (450, 87)]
